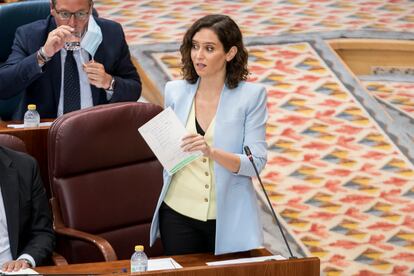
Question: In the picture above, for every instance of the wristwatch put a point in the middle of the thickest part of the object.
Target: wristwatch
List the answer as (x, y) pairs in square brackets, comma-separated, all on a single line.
[(26, 261), (112, 85)]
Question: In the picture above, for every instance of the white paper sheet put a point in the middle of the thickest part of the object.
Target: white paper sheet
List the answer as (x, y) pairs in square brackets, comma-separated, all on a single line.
[(164, 263), (248, 260), (22, 125), (26, 271), (163, 134)]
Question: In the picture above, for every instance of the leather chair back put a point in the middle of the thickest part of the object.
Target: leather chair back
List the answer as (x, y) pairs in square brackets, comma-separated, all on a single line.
[(15, 143), (12, 16), (12, 142), (105, 178)]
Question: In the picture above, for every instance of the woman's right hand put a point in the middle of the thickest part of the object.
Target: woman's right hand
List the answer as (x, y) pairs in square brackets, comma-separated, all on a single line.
[(194, 142)]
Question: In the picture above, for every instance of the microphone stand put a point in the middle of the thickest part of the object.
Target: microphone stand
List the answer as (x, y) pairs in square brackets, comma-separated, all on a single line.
[(249, 155)]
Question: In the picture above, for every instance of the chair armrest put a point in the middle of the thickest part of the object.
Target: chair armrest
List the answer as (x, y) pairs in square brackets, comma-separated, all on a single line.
[(103, 245), (58, 259)]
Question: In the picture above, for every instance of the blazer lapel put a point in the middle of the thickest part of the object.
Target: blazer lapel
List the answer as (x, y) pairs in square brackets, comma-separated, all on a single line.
[(54, 66), (183, 106), (9, 189), (97, 93), (224, 104)]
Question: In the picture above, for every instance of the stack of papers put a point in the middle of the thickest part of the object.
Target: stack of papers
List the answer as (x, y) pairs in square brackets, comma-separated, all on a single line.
[(161, 264), (26, 271), (164, 134), (22, 125)]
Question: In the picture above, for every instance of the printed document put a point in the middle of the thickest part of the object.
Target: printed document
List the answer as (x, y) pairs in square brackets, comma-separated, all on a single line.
[(25, 271), (161, 264), (164, 134), (22, 125)]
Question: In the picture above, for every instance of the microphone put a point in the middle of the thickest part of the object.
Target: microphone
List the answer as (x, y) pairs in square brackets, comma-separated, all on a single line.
[(249, 155)]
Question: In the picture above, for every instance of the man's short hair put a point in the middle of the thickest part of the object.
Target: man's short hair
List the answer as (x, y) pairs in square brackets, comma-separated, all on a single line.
[(54, 2)]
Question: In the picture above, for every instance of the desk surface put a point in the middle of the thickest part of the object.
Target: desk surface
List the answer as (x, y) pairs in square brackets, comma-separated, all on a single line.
[(194, 264), (4, 128)]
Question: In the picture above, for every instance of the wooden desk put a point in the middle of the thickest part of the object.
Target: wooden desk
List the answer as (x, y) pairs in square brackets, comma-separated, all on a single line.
[(194, 264), (36, 144)]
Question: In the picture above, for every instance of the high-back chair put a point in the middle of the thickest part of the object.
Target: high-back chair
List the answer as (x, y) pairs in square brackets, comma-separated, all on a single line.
[(105, 182), (12, 142), (15, 143), (12, 16)]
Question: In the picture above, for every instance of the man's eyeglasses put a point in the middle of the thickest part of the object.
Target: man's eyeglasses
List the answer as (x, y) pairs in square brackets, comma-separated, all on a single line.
[(79, 15)]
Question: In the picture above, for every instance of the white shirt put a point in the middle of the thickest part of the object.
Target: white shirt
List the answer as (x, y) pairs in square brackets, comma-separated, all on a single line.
[(85, 88), (81, 57), (5, 253)]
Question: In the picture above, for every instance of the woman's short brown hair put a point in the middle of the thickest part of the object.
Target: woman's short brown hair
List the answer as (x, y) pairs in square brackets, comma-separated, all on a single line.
[(229, 35)]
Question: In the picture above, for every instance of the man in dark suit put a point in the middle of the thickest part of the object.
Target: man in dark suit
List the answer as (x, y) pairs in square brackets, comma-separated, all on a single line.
[(37, 65), (26, 234)]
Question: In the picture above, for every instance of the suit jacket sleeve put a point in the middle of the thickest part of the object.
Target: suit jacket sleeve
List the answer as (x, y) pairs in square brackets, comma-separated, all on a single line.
[(38, 232), (127, 81), (20, 69)]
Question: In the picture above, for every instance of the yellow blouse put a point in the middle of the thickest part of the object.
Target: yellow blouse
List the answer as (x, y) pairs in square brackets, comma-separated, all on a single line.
[(192, 189)]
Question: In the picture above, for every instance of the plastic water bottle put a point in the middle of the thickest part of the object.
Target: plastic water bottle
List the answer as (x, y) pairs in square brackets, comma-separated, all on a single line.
[(139, 260), (31, 117)]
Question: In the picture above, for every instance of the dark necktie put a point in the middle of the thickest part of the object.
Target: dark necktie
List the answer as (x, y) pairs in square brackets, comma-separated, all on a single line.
[(71, 85)]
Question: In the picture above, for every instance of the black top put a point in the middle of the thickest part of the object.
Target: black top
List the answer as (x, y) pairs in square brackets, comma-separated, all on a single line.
[(199, 129)]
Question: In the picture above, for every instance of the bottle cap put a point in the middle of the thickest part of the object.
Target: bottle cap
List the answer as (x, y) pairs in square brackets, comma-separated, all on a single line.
[(31, 107), (139, 248)]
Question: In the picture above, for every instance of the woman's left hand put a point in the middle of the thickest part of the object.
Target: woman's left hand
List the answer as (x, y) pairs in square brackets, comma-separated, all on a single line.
[(193, 142)]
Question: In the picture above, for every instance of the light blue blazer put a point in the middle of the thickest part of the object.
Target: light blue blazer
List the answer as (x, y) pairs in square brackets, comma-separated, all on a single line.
[(240, 120)]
